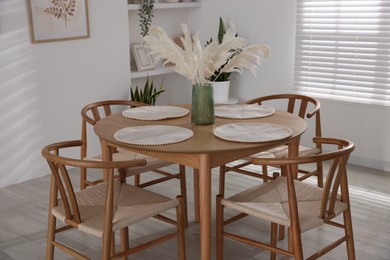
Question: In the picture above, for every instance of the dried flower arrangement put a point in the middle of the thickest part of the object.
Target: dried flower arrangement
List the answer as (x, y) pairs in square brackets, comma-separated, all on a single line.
[(199, 65)]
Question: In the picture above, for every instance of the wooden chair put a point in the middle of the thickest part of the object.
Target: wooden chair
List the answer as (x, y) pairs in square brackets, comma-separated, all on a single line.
[(298, 105), (104, 208), (298, 205), (94, 112)]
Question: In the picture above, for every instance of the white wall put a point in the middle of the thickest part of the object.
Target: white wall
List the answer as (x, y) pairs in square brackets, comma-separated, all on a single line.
[(367, 126), (44, 86)]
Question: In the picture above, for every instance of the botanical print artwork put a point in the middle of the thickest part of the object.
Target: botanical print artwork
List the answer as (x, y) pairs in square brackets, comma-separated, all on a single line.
[(62, 9), (54, 20)]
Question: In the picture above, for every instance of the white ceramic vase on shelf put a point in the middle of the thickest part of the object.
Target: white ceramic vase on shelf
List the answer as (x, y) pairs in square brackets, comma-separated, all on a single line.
[(221, 91)]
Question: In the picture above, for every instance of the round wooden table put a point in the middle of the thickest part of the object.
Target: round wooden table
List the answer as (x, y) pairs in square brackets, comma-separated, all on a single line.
[(203, 152)]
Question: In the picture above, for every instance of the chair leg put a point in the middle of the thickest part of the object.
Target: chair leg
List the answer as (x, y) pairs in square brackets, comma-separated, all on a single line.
[(137, 179), (274, 231), (50, 237), (290, 240), (349, 233), (180, 214), (296, 243), (107, 240), (83, 177), (281, 232), (320, 175), (51, 221), (122, 175), (196, 195), (347, 219), (222, 173), (264, 169), (219, 228), (112, 244), (124, 240), (183, 190)]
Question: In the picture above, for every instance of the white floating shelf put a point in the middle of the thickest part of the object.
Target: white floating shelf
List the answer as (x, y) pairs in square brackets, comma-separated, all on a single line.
[(167, 5), (155, 72)]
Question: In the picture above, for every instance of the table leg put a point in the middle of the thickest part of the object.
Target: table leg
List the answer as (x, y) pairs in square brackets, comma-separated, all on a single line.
[(196, 195), (205, 206)]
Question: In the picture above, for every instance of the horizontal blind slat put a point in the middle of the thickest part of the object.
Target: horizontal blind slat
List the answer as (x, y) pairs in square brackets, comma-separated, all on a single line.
[(343, 50)]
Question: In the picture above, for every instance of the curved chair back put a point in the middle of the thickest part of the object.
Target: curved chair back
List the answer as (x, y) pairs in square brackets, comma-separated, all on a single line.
[(104, 208), (285, 201), (336, 176), (59, 166), (296, 104), (91, 114), (305, 107)]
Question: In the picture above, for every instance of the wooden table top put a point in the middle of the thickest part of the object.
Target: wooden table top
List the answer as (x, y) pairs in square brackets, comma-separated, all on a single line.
[(203, 140)]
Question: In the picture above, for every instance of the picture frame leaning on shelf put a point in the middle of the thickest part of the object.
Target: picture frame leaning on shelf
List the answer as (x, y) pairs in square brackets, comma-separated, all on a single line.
[(142, 58)]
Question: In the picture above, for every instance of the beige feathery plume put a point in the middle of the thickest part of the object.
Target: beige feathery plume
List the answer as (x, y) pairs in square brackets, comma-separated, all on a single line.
[(197, 64)]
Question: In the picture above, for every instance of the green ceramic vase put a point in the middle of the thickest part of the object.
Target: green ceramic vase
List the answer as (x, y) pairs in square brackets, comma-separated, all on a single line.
[(202, 112)]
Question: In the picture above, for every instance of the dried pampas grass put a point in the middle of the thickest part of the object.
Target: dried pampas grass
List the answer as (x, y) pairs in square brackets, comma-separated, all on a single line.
[(197, 64)]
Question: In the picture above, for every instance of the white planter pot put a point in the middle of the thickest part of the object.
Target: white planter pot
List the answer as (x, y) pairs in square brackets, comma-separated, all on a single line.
[(221, 90)]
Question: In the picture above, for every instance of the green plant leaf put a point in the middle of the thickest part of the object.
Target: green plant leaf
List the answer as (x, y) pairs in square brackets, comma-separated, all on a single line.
[(148, 94), (162, 85), (153, 97), (137, 95), (221, 30), (146, 15), (131, 94)]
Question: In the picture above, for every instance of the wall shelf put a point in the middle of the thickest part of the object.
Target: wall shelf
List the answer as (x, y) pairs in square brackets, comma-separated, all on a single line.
[(166, 16), (167, 5), (155, 72)]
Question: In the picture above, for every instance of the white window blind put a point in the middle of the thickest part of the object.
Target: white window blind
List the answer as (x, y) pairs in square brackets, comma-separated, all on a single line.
[(343, 50)]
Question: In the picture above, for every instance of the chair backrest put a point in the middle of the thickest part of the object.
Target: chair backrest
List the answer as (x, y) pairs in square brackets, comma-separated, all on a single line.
[(94, 112), (296, 104), (336, 179), (59, 166)]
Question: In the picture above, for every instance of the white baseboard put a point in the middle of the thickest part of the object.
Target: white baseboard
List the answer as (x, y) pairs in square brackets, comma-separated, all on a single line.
[(369, 162)]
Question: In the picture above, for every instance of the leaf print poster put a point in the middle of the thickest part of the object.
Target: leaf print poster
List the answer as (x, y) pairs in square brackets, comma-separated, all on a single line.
[(58, 20)]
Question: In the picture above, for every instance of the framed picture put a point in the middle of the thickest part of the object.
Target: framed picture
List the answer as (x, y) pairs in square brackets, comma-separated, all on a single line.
[(58, 20), (142, 57)]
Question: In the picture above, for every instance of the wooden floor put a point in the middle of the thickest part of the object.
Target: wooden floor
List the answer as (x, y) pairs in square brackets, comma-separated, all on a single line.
[(23, 216)]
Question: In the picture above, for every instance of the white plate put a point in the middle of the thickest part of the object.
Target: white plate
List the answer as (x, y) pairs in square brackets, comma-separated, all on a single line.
[(252, 132), (153, 134), (155, 112), (243, 111)]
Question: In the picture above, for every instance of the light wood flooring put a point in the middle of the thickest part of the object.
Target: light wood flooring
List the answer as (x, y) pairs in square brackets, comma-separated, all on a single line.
[(23, 217)]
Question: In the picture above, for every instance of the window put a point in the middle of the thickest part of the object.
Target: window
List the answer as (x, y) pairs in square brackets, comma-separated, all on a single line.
[(343, 50)]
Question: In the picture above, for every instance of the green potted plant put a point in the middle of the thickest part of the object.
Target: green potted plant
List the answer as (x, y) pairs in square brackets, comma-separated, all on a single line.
[(221, 80), (148, 94), (218, 76), (146, 16)]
